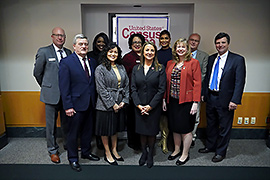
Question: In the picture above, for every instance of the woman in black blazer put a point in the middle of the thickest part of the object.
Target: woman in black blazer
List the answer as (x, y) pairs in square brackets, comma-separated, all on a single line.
[(148, 83)]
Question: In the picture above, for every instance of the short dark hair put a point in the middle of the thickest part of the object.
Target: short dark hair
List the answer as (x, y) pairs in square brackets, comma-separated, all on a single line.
[(222, 35), (130, 40), (104, 59), (165, 32)]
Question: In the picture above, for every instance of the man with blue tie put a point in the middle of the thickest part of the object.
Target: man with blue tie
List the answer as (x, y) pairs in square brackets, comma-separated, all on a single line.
[(46, 74), (222, 92), (77, 87)]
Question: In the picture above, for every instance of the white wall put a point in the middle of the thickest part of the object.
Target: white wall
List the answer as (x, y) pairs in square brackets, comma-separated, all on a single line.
[(26, 26)]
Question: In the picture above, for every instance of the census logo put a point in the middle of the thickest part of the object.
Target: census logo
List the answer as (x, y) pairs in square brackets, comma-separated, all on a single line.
[(149, 26)]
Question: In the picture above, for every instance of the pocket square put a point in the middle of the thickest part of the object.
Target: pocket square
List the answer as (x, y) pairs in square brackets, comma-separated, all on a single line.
[(52, 59)]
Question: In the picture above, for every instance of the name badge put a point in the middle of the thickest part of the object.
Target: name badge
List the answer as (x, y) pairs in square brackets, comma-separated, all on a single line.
[(138, 61), (52, 59)]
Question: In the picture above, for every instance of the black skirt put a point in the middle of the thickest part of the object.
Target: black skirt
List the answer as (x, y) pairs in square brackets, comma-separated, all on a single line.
[(180, 119), (108, 123)]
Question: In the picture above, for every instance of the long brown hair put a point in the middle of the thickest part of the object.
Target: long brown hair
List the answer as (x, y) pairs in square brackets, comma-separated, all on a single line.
[(188, 53)]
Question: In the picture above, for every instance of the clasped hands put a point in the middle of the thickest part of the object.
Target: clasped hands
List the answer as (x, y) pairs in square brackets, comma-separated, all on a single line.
[(117, 107), (144, 109)]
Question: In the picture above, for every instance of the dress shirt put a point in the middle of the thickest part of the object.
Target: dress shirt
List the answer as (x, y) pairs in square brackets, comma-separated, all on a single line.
[(58, 53), (82, 63), (222, 62), (194, 54)]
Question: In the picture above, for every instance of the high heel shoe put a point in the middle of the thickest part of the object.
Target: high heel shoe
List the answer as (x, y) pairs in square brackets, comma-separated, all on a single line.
[(179, 163), (117, 159), (114, 163), (143, 159), (173, 157), (150, 162)]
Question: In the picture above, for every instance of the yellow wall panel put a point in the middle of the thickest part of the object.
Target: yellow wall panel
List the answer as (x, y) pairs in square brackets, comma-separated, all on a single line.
[(24, 109), (2, 121)]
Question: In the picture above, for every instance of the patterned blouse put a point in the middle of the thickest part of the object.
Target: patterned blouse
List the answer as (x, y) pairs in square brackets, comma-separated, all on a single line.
[(175, 82)]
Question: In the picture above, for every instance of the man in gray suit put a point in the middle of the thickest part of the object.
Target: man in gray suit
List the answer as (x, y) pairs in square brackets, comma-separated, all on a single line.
[(46, 74), (194, 41)]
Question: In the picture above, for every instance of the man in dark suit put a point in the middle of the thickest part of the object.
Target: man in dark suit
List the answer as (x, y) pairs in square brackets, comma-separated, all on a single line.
[(77, 88), (46, 74), (223, 89), (194, 41)]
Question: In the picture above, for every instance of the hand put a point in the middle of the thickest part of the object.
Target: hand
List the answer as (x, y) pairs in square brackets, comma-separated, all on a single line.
[(70, 112), (115, 108), (144, 109), (232, 106), (194, 108), (202, 98), (164, 106), (121, 105)]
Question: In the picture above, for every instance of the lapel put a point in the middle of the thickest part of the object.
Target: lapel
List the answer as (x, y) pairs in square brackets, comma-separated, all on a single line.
[(228, 64), (150, 71), (79, 65), (54, 54)]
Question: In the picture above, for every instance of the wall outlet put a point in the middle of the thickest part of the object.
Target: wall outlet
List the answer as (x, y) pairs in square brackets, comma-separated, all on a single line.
[(246, 120), (253, 120), (240, 120)]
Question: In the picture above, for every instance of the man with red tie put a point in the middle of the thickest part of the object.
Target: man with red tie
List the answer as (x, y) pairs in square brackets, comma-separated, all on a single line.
[(223, 88), (77, 87)]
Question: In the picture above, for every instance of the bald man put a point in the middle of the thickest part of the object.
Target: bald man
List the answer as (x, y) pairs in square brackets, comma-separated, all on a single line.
[(194, 42), (46, 74)]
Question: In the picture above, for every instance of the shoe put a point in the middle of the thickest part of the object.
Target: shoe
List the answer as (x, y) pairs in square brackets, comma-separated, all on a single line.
[(217, 158), (192, 144), (173, 157), (150, 162), (75, 166), (143, 159), (204, 150), (55, 158), (114, 163), (117, 159), (179, 163), (91, 157)]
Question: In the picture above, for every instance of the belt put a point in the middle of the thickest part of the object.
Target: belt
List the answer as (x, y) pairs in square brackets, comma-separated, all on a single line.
[(214, 93)]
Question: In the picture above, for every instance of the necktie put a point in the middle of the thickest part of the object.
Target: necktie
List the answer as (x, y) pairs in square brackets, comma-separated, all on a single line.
[(86, 68), (214, 83), (61, 53)]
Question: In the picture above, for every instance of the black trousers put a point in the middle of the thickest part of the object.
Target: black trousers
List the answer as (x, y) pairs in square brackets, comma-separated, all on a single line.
[(219, 125), (81, 126)]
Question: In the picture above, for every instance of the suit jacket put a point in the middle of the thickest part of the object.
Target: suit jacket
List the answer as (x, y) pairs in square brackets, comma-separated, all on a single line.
[(77, 91), (149, 89), (46, 69), (202, 57), (232, 80), (107, 87), (190, 81)]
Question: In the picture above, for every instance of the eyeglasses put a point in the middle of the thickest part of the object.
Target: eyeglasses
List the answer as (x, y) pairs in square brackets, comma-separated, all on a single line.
[(194, 40), (59, 35), (136, 42)]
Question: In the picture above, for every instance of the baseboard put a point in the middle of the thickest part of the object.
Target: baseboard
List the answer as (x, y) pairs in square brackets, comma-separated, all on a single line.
[(201, 133), (3, 140)]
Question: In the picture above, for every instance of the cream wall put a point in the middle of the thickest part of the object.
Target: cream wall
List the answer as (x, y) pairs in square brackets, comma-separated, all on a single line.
[(26, 25)]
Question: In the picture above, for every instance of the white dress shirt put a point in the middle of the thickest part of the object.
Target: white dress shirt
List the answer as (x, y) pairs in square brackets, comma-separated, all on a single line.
[(222, 62)]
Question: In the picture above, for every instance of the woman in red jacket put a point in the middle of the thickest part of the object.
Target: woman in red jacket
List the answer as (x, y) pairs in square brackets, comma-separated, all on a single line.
[(182, 96)]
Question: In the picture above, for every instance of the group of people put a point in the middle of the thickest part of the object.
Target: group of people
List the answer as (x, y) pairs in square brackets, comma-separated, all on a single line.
[(146, 91)]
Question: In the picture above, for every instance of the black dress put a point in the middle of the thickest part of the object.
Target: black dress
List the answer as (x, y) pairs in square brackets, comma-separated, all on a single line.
[(148, 90)]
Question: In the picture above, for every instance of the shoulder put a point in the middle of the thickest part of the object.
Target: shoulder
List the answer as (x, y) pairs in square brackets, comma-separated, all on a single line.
[(45, 48), (202, 53), (235, 55)]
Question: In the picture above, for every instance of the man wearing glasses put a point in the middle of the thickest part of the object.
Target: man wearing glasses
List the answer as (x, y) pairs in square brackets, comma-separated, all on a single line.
[(46, 74)]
